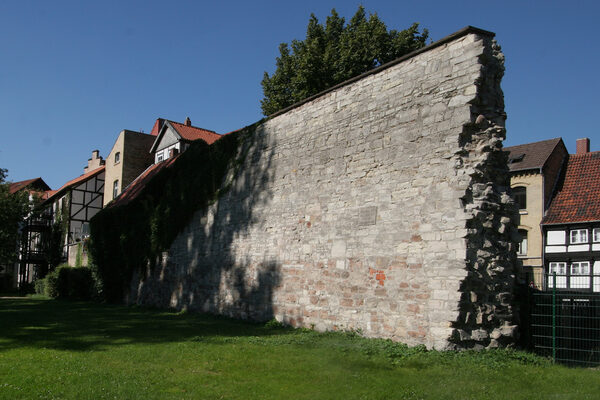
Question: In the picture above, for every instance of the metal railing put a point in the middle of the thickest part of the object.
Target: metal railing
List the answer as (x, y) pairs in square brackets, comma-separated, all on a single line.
[(564, 318)]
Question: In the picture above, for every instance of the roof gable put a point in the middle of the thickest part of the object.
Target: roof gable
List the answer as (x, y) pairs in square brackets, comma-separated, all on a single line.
[(578, 195), (75, 181), (531, 155), (35, 185), (186, 133)]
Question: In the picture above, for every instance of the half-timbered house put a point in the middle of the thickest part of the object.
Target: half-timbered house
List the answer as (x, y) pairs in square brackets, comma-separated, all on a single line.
[(571, 226), (73, 206)]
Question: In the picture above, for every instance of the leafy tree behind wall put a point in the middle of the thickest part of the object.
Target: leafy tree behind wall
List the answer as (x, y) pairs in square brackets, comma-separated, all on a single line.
[(13, 209), (333, 53)]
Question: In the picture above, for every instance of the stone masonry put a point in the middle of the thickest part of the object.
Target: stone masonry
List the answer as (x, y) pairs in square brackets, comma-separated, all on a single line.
[(379, 206)]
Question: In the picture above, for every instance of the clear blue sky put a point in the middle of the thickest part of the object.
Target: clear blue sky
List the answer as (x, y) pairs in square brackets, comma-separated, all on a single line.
[(73, 74)]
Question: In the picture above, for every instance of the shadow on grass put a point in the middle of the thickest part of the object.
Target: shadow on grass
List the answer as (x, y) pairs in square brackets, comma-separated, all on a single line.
[(83, 326)]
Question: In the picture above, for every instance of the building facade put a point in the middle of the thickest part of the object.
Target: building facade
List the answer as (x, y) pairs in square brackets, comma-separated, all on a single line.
[(73, 206), (128, 158), (32, 232), (535, 169), (571, 226)]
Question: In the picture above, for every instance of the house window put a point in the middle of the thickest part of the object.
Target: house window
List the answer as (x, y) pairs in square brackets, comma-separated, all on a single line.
[(522, 249), (520, 196), (579, 236), (159, 157), (596, 234), (115, 188), (558, 268), (580, 268), (556, 237), (117, 157)]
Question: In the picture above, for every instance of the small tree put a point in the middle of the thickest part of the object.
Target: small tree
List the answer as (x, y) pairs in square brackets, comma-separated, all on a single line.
[(333, 53), (14, 207)]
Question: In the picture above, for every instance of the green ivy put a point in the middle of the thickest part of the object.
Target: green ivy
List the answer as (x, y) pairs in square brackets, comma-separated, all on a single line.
[(132, 236)]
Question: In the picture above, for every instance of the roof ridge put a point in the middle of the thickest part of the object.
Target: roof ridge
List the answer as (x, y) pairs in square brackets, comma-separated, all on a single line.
[(584, 154), (532, 143), (191, 126)]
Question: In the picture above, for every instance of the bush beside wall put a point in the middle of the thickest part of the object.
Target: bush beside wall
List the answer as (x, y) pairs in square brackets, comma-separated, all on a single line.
[(66, 282)]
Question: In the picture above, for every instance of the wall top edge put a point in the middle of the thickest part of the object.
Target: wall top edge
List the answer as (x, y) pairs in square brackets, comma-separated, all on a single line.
[(462, 32)]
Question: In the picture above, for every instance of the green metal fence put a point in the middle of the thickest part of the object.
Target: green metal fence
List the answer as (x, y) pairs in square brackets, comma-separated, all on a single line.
[(564, 320)]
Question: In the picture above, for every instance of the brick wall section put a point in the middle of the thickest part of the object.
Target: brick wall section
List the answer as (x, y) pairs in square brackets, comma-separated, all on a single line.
[(379, 206), (136, 156)]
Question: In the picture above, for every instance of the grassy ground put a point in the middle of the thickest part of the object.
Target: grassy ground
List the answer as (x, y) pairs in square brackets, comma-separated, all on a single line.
[(52, 349)]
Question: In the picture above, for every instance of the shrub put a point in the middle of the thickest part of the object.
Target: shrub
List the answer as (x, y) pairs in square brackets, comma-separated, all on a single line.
[(40, 286), (67, 282)]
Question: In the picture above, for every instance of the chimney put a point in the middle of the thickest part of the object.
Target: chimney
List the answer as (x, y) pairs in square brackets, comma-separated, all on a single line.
[(95, 162), (173, 152), (188, 121), (583, 146)]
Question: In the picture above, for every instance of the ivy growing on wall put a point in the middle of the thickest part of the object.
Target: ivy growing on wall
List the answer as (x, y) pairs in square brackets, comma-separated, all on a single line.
[(133, 235)]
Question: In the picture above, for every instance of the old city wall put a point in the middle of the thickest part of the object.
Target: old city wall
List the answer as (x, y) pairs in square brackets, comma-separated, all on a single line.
[(379, 206)]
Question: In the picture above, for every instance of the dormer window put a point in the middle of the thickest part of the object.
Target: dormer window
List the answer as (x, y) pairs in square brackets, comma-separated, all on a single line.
[(578, 236), (520, 196), (516, 158), (117, 157)]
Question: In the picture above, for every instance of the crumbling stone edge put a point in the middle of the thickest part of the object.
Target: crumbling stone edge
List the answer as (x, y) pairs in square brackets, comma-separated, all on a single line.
[(487, 312)]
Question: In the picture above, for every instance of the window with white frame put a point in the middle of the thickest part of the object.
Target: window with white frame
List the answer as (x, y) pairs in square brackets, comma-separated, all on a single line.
[(596, 234), (115, 188), (159, 156), (579, 236), (117, 157), (522, 249), (580, 268), (558, 268)]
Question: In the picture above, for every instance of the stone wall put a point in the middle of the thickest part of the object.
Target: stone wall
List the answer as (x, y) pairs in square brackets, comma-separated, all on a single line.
[(379, 206)]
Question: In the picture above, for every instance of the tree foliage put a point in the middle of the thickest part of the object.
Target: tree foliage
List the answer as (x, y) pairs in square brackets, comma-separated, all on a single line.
[(333, 53), (14, 207)]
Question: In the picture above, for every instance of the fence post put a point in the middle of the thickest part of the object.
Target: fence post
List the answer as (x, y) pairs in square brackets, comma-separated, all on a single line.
[(554, 316)]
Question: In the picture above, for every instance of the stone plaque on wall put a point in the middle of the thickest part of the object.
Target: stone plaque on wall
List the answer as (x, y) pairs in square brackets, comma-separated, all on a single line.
[(367, 216)]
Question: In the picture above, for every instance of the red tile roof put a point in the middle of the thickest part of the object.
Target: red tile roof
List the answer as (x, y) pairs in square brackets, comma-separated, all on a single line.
[(135, 188), (578, 198), (192, 133), (77, 180), (35, 184), (48, 193), (531, 155)]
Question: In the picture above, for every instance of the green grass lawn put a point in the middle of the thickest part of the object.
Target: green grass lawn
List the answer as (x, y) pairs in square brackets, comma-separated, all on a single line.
[(75, 350)]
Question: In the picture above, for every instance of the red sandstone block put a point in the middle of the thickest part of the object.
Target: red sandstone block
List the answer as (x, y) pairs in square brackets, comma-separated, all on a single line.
[(346, 302), (413, 308)]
